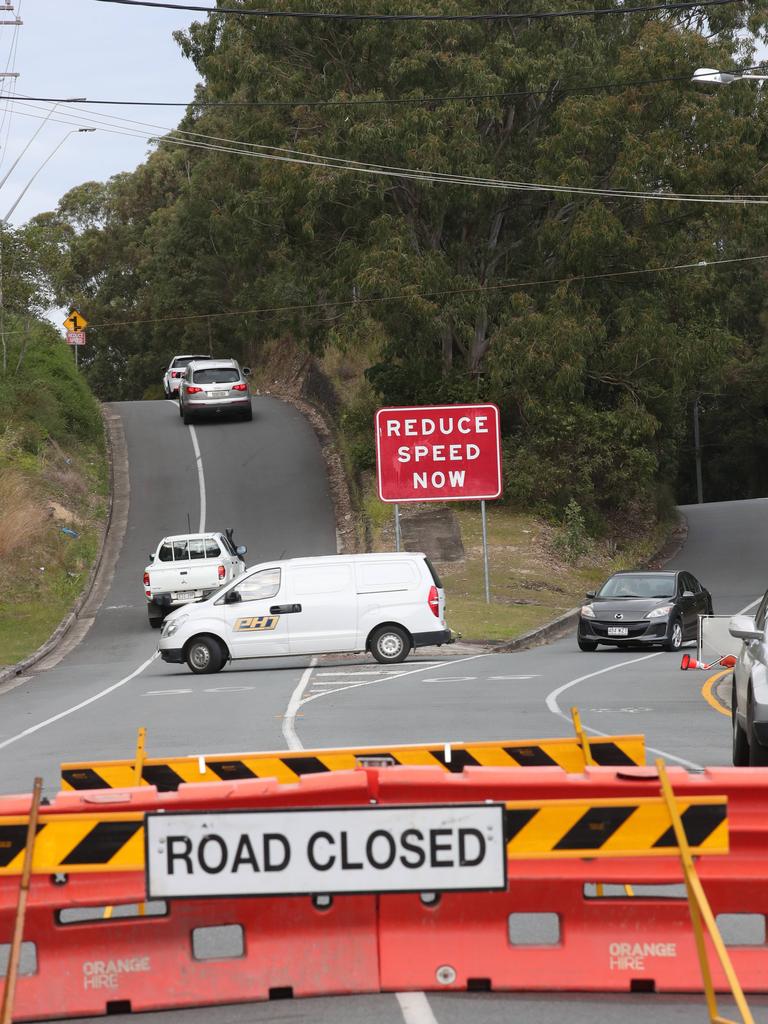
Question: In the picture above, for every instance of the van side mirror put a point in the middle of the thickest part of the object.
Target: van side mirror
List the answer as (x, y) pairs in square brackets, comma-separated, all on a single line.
[(232, 597), (241, 550), (151, 556), (590, 594), (743, 628)]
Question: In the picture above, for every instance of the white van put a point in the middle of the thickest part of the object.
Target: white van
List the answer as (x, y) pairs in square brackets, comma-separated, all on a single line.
[(383, 603)]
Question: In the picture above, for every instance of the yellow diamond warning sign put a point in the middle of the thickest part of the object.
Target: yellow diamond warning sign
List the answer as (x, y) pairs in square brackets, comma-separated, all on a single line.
[(75, 322)]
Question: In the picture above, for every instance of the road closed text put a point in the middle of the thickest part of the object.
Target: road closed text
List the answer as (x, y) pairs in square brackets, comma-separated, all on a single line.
[(381, 849)]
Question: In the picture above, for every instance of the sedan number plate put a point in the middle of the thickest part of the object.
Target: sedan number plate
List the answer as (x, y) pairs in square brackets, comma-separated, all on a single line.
[(618, 631), (186, 595)]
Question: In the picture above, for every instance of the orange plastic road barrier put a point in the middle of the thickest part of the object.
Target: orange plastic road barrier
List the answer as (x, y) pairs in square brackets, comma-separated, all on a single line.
[(727, 661), (548, 931)]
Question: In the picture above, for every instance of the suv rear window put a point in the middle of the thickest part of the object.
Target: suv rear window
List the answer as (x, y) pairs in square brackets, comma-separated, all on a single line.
[(224, 375), (181, 361), (435, 578)]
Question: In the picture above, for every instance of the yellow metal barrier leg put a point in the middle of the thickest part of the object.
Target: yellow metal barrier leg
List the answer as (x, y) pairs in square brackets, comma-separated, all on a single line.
[(6, 1011), (581, 736), (138, 769), (700, 909)]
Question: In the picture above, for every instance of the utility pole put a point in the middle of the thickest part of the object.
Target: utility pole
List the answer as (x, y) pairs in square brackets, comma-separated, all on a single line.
[(7, 8)]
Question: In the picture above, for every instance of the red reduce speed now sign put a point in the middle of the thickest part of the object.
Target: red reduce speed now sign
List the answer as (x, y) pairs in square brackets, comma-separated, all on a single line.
[(438, 453)]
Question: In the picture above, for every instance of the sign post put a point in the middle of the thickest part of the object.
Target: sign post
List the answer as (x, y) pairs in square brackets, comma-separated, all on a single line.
[(75, 325), (439, 453)]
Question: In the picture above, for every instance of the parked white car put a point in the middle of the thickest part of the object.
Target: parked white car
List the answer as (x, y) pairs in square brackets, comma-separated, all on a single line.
[(189, 567), (749, 695), (385, 603)]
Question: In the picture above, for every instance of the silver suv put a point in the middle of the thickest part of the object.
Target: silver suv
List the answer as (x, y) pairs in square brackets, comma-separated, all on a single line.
[(214, 387)]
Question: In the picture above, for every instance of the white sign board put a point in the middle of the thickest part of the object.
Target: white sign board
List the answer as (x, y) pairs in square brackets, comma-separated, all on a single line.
[(326, 850), (714, 639)]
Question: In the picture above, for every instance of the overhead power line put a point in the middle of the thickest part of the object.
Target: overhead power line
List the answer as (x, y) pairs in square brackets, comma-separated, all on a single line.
[(353, 101), (501, 285), (491, 16), (279, 154)]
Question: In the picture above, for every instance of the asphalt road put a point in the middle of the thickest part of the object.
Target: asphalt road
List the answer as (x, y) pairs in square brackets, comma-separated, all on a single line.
[(267, 480)]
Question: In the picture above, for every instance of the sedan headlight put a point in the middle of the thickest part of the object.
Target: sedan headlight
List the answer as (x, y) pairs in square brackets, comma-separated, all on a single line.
[(657, 613), (588, 611), (171, 626)]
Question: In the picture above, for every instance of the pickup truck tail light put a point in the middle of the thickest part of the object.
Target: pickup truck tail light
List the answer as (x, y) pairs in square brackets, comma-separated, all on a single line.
[(175, 373), (191, 390), (239, 387), (146, 579), (434, 601), (222, 572)]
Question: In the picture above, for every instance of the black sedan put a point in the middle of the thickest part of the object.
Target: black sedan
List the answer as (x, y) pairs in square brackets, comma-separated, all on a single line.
[(644, 608)]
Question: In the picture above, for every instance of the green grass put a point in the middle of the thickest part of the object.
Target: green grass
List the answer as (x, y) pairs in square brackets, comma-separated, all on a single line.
[(530, 583)]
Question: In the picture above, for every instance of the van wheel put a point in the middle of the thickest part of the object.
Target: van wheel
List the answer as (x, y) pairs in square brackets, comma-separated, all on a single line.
[(389, 645), (204, 655), (740, 740)]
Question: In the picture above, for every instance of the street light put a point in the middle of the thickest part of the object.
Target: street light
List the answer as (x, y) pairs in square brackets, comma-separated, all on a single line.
[(40, 127), (50, 156), (716, 77)]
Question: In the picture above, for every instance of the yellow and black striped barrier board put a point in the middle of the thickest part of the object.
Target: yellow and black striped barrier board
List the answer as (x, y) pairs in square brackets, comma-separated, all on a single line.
[(545, 829), (168, 773), (75, 843), (610, 828)]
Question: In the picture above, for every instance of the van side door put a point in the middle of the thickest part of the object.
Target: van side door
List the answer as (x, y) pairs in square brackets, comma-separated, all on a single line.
[(255, 627), (326, 619)]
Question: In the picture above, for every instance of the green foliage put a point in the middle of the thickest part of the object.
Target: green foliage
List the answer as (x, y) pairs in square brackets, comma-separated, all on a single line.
[(548, 303), (572, 540), (42, 395)]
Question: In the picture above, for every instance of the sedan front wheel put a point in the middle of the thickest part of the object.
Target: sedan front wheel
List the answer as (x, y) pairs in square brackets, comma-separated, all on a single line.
[(674, 640)]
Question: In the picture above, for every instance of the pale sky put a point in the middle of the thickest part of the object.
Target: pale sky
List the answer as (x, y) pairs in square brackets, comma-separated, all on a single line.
[(83, 48)]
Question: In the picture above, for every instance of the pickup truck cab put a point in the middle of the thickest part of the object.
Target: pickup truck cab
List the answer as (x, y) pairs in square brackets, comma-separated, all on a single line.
[(189, 567)]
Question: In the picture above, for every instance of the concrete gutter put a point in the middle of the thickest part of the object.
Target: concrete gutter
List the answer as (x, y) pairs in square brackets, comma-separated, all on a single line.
[(87, 604)]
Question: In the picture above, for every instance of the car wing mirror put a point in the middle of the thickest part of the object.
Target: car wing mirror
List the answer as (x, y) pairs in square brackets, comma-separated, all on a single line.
[(246, 371), (232, 597), (743, 628), (590, 594), (688, 593), (241, 550)]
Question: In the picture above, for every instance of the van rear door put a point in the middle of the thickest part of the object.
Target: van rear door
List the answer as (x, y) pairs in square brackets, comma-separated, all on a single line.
[(327, 622)]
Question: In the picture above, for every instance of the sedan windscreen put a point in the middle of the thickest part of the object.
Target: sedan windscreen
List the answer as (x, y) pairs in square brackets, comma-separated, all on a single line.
[(639, 586), (213, 376)]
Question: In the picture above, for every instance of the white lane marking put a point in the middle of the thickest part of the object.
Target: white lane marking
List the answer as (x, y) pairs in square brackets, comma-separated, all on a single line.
[(510, 678), (387, 679), (200, 478), (415, 1008), (164, 693), (554, 707), (81, 705), (451, 679), (289, 730)]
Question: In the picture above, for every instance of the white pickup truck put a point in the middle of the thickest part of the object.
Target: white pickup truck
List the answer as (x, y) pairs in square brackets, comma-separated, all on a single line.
[(189, 567)]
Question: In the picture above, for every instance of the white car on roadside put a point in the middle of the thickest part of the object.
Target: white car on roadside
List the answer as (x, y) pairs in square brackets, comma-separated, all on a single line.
[(189, 567), (384, 603)]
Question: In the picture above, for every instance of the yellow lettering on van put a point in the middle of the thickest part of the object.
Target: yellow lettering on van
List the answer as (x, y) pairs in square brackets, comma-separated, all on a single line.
[(252, 623)]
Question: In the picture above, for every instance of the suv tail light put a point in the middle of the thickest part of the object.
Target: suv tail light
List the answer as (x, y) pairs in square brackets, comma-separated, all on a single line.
[(239, 387), (191, 390), (434, 601), (146, 579), (222, 572)]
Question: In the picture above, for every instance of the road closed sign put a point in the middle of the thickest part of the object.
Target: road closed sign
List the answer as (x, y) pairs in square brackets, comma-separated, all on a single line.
[(337, 850), (438, 453)]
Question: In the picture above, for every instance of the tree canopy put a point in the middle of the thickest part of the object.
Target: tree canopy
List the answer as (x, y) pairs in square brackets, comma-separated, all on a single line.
[(563, 307)]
